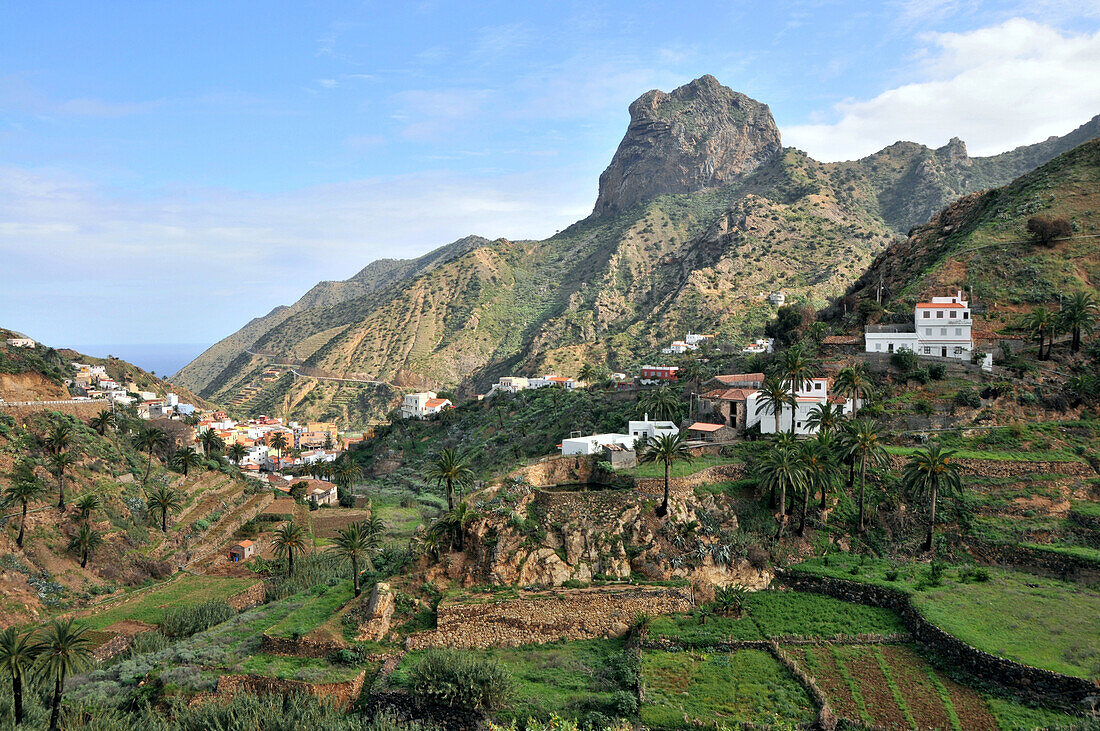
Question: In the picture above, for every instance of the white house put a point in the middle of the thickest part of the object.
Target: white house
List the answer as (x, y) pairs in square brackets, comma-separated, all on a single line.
[(940, 328), (509, 384), (550, 380), (697, 339), (807, 397), (647, 429), (171, 399), (420, 405), (691, 341), (20, 342), (759, 346), (313, 456), (777, 298), (594, 443), (678, 347)]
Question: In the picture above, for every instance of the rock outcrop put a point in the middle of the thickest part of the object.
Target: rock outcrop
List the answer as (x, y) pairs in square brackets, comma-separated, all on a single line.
[(698, 136)]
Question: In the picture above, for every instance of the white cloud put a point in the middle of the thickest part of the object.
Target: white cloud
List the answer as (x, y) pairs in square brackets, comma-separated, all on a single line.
[(147, 266), (999, 87)]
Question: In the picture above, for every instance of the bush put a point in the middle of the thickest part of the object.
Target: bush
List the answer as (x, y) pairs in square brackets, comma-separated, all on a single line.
[(1027, 398), (968, 397), (920, 375), (904, 360), (937, 371), (453, 679), (1045, 231), (924, 407), (149, 642), (186, 621)]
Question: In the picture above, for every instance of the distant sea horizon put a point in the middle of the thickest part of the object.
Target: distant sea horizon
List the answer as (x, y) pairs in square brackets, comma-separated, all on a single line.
[(164, 359)]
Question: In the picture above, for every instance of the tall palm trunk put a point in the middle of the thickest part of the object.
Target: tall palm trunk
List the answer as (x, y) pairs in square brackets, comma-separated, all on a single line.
[(824, 492), (450, 495), (805, 508), (862, 484), (668, 474), (84, 558), (22, 525), (782, 510), (148, 466), (355, 575), (164, 520), (851, 473), (55, 711), (1042, 339), (61, 490), (931, 521), (289, 561), (17, 696)]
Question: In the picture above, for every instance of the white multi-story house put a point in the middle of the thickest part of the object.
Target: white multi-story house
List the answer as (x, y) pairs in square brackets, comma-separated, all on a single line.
[(940, 328), (423, 404), (691, 341), (594, 443), (509, 384), (777, 298), (648, 429), (807, 397), (759, 346), (20, 342), (550, 380)]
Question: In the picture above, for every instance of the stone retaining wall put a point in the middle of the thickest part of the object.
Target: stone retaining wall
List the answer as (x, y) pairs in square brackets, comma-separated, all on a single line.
[(253, 596), (342, 693), (719, 473), (117, 645), (1045, 563), (1053, 688), (301, 647), (1009, 468), (536, 617)]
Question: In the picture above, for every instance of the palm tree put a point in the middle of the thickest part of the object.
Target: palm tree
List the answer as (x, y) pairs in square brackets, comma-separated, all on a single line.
[(797, 369), (451, 527), (212, 444), (928, 472), (164, 500), (87, 504), (63, 649), (853, 382), (185, 458), (59, 437), (354, 543), (782, 469), (102, 422), (25, 487), (236, 452), (60, 463), (821, 469), (665, 449), (774, 395), (278, 442), (17, 655), (588, 373), (346, 472), (1040, 322), (1079, 315), (84, 542), (148, 439), (289, 537), (451, 469), (862, 442), (825, 418), (663, 402)]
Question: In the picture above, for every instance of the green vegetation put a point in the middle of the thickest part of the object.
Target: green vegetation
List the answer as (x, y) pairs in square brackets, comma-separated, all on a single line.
[(681, 468), (685, 689), (186, 621), (153, 605), (1015, 456), (688, 630), (456, 679), (321, 602), (306, 669), (1042, 622)]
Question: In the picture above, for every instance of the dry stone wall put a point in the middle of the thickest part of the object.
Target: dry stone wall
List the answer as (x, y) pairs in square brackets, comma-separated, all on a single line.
[(538, 617), (342, 693), (253, 596), (301, 647), (1010, 468)]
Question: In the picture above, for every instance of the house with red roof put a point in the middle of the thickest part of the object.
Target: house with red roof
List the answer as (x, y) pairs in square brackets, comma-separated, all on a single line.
[(941, 328), (422, 405)]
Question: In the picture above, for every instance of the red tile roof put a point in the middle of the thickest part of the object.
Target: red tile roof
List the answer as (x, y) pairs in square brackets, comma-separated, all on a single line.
[(944, 304), (245, 544), (729, 394), (700, 426), (433, 402), (741, 377)]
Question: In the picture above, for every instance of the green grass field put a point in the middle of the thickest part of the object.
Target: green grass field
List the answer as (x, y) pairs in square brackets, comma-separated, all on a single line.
[(1042, 622), (1016, 456), (688, 689), (320, 603), (306, 669), (679, 469), (151, 606), (570, 679)]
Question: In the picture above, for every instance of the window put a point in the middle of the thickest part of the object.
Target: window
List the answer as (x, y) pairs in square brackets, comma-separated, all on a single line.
[(958, 350), (939, 314), (966, 315), (927, 351), (958, 331), (943, 331), (817, 386), (878, 346), (928, 331), (926, 314)]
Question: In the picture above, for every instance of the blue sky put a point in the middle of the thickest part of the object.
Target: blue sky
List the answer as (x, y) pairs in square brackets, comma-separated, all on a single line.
[(170, 170)]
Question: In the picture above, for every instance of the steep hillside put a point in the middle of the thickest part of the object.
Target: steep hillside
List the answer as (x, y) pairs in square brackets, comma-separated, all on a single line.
[(699, 214), (981, 244)]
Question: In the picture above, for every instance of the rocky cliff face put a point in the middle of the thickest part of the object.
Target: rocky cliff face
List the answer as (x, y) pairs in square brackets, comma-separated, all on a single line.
[(699, 136)]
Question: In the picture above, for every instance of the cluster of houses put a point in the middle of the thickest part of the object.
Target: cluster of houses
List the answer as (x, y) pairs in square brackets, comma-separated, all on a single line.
[(691, 341), (20, 343), (515, 384), (306, 444), (93, 382)]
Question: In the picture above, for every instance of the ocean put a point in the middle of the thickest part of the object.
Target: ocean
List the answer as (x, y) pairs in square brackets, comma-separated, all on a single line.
[(164, 359)]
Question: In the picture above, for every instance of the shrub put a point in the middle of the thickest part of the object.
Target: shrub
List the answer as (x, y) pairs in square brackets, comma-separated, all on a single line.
[(457, 680), (904, 360), (968, 397), (937, 371), (973, 573), (149, 642), (1027, 398), (730, 599), (920, 375), (1045, 231), (924, 407), (186, 621)]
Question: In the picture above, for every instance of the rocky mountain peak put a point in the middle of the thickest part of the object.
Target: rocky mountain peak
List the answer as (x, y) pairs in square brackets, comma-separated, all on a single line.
[(697, 136)]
